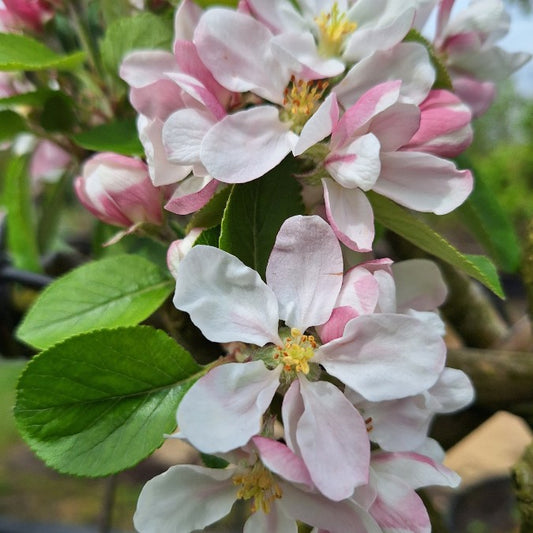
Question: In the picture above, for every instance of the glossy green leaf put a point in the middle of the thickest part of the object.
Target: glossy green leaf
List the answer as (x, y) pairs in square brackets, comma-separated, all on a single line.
[(144, 31), (256, 210), (11, 124), (484, 216), (211, 214), (120, 137), (19, 52), (100, 402), (400, 221), (209, 237), (21, 235), (119, 290)]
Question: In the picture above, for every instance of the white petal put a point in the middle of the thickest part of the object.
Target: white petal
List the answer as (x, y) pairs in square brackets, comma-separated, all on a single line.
[(275, 521), (226, 299), (423, 182), (246, 145), (223, 410), (385, 356), (337, 456), (185, 498), (350, 214), (305, 271)]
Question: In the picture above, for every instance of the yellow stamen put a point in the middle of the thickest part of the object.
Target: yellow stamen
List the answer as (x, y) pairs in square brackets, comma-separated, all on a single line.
[(300, 100), (333, 27), (295, 354), (257, 483)]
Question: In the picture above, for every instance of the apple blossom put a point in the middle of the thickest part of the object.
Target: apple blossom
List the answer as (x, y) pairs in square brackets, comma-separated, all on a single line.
[(191, 497), (229, 302), (31, 14), (118, 190), (467, 45)]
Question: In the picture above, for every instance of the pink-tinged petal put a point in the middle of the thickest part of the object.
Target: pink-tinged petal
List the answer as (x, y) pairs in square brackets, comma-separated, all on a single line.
[(291, 411), (223, 39), (300, 53), (385, 356), (338, 455), (246, 145), (179, 249), (275, 521), (423, 182), (414, 469), (187, 16), (478, 95), (452, 391), (350, 215), (408, 62), (319, 126), (371, 103), (360, 290), (191, 194), (398, 508), (444, 126), (48, 162), (278, 458), (169, 98), (329, 516), (162, 171), (278, 15), (356, 164), (419, 285), (377, 35), (141, 68), (305, 271), (334, 327), (397, 425), (395, 126), (224, 409), (226, 299), (187, 497), (443, 16), (183, 133)]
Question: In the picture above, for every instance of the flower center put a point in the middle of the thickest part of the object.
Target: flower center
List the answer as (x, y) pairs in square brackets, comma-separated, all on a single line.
[(300, 100), (258, 483), (295, 354), (333, 27)]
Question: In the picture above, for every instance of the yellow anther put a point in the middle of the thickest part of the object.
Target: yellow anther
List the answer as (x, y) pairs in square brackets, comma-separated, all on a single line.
[(257, 483), (333, 27), (300, 101), (297, 351)]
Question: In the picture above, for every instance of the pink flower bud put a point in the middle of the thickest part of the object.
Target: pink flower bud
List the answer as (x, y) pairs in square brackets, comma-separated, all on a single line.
[(179, 249), (118, 190), (31, 13)]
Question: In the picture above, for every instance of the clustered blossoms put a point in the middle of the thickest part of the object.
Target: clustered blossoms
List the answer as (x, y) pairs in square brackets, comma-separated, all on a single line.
[(320, 411)]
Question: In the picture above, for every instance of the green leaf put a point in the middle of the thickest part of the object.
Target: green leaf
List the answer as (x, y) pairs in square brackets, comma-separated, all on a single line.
[(33, 98), (58, 113), (211, 214), (19, 52), (120, 290), (100, 402), (256, 210), (484, 216), (144, 31), (209, 237), (120, 137), (11, 123), (21, 235), (402, 222)]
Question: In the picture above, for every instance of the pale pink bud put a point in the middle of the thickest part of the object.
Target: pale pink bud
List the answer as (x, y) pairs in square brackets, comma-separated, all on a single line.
[(31, 13), (118, 190), (179, 249), (445, 128)]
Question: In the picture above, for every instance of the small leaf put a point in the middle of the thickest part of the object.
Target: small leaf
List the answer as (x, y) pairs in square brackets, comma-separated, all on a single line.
[(11, 123), (209, 237), (144, 31), (21, 235), (120, 137), (19, 52), (256, 210), (120, 290), (484, 216), (211, 214), (100, 402), (400, 221)]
